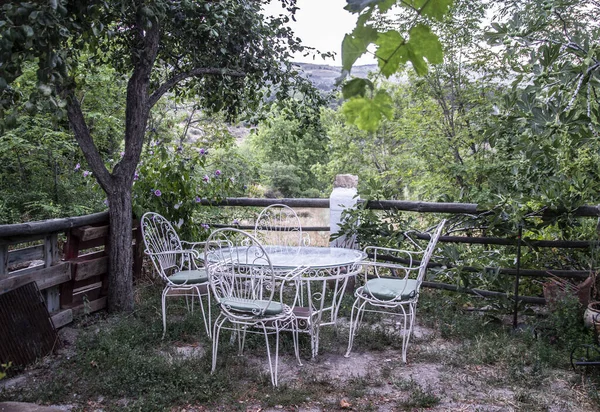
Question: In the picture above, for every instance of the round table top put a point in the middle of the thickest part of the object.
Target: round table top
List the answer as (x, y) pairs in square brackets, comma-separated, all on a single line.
[(315, 257)]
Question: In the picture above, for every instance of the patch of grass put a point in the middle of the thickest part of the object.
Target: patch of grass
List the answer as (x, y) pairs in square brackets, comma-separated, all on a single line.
[(417, 396)]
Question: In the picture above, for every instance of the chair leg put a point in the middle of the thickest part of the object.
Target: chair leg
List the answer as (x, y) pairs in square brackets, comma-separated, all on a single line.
[(206, 325), (407, 333), (273, 372), (215, 343), (296, 341), (164, 311), (355, 319)]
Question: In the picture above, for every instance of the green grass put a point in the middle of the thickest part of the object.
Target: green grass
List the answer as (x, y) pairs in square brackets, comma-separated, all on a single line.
[(121, 363)]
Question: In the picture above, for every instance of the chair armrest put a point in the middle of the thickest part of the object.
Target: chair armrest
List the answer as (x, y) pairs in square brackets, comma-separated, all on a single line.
[(293, 275), (192, 245)]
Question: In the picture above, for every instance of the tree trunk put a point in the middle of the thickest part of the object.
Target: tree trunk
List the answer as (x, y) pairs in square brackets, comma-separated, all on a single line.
[(120, 255)]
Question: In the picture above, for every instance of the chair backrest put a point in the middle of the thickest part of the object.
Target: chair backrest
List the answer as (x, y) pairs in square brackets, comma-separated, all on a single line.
[(239, 269), (159, 237), (278, 225), (428, 252), (388, 262)]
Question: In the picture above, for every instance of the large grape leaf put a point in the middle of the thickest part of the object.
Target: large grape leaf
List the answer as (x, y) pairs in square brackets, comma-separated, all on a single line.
[(424, 43), (356, 87), (355, 44), (435, 9), (390, 52), (367, 113), (394, 50), (356, 6)]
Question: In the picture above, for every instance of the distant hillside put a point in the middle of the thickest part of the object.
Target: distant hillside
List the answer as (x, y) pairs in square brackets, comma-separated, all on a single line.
[(324, 76)]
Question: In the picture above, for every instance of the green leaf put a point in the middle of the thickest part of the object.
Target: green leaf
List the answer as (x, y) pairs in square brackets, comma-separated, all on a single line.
[(356, 87), (366, 113), (355, 45), (424, 43), (356, 6), (391, 52), (435, 9), (27, 30)]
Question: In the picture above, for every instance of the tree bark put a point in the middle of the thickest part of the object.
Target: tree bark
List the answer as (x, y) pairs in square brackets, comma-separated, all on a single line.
[(120, 256)]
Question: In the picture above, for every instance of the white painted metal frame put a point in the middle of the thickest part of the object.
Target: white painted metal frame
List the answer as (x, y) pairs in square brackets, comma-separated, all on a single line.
[(171, 255), (249, 292), (404, 303), (280, 225)]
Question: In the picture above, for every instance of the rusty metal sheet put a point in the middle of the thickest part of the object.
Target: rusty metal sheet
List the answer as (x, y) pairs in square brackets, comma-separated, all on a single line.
[(26, 329)]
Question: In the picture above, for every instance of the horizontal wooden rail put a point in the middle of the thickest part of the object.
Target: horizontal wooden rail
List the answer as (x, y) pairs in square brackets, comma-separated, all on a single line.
[(50, 226), (404, 205)]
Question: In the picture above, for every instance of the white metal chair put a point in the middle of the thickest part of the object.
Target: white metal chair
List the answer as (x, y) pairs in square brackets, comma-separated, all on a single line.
[(177, 263), (396, 277), (249, 293), (279, 224)]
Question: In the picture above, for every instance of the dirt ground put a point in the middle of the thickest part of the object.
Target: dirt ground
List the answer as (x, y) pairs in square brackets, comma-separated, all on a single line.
[(387, 384)]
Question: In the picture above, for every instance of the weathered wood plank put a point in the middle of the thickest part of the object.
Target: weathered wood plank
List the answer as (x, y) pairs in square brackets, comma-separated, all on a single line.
[(247, 201), (44, 277), (89, 307), (62, 318), (52, 225), (84, 268), (25, 254), (3, 260), (86, 233)]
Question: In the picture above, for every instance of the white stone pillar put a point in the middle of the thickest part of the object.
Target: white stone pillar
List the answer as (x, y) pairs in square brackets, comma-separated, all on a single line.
[(344, 196)]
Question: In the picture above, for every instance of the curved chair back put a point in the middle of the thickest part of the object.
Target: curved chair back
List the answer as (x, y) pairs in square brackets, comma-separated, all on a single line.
[(278, 224), (428, 252), (160, 237), (240, 273)]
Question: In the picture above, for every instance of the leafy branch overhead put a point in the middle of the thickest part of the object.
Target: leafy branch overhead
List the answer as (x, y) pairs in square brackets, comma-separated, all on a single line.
[(419, 46)]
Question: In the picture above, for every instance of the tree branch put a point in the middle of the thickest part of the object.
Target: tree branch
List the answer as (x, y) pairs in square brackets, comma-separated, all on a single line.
[(86, 143), (166, 86)]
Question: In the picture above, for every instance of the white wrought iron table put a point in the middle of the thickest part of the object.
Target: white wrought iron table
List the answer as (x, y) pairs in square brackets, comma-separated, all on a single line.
[(322, 285)]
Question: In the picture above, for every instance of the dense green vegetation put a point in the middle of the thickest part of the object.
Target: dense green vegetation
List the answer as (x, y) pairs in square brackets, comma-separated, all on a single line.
[(508, 119)]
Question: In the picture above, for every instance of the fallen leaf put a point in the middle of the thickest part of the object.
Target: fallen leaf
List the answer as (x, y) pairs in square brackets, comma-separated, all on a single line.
[(344, 404)]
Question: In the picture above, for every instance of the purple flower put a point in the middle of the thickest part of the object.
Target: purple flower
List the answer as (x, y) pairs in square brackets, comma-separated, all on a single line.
[(204, 226), (206, 178), (202, 151), (157, 192), (77, 166), (86, 173), (198, 199), (236, 222), (217, 172), (136, 176), (122, 154), (106, 202)]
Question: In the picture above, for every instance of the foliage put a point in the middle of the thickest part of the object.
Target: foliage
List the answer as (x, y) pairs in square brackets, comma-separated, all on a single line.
[(287, 145), (564, 324), (548, 125), (416, 44), (226, 54), (44, 175), (173, 180)]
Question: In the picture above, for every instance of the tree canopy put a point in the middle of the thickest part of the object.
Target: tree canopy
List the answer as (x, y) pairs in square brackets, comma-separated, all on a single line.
[(225, 54)]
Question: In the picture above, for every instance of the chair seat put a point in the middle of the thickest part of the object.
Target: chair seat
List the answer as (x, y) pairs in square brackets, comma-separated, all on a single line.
[(186, 277), (391, 289), (251, 306)]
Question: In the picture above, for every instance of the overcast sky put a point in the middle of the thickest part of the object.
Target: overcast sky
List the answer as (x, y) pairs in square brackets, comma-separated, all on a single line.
[(321, 24)]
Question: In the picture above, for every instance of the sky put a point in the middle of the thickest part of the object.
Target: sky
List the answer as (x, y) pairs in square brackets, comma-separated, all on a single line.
[(321, 24)]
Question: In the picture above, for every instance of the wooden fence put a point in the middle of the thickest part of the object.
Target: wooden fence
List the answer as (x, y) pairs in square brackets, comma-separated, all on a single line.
[(66, 258)]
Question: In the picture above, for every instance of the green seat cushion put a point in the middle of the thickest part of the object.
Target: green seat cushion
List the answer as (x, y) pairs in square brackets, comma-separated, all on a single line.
[(189, 276), (389, 289), (248, 305)]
